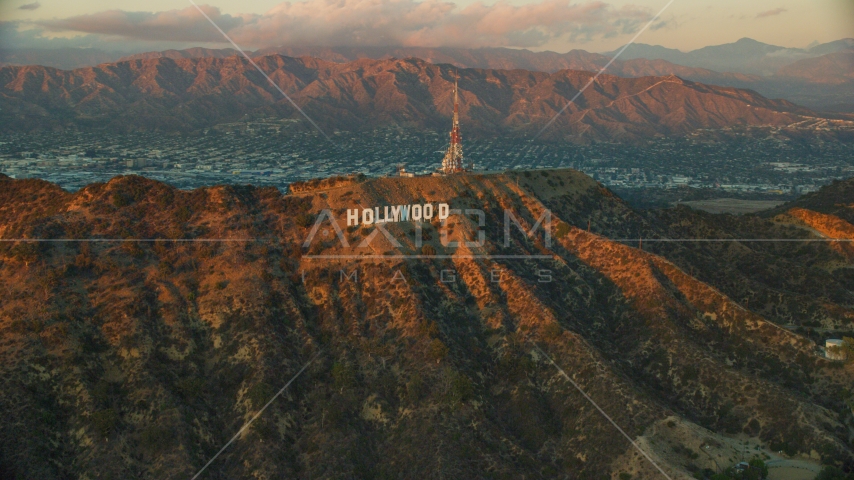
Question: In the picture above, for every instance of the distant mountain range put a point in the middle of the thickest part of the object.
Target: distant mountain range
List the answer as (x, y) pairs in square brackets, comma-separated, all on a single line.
[(833, 68), (744, 56), (486, 58), (64, 58), (819, 77), (192, 93)]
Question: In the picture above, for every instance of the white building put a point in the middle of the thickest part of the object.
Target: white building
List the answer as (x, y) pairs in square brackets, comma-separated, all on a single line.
[(835, 349)]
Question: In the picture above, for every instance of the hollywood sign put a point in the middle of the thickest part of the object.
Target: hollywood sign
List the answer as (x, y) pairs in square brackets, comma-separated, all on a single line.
[(378, 217), (397, 213)]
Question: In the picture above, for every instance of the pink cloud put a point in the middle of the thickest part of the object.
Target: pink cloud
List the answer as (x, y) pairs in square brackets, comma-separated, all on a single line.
[(770, 13), (185, 25), (429, 23)]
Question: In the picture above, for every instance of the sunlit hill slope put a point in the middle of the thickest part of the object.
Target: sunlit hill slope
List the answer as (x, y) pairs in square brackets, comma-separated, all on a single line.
[(140, 358)]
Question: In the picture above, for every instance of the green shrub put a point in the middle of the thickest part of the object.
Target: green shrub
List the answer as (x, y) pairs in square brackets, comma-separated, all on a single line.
[(849, 348), (415, 388), (832, 473), (758, 465), (562, 230), (183, 214), (461, 389), (155, 439), (165, 268), (165, 199), (437, 350), (104, 422), (27, 252), (343, 375), (190, 387), (260, 394), (304, 219), (133, 249), (552, 331), (120, 200)]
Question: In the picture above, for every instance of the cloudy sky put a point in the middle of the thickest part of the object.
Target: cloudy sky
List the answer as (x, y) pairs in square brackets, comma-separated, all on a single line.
[(560, 25)]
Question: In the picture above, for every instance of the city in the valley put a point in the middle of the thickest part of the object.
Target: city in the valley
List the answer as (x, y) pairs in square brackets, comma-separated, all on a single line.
[(763, 161)]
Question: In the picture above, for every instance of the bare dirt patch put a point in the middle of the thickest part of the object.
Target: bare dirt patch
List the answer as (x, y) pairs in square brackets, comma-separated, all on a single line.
[(790, 473)]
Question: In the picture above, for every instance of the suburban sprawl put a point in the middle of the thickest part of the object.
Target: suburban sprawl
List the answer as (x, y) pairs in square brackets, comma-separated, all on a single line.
[(279, 152)]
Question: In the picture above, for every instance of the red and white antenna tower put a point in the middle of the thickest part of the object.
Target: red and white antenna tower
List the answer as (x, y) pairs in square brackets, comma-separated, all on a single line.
[(453, 160)]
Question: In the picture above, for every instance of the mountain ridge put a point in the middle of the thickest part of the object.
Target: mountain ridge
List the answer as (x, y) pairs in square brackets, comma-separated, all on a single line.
[(756, 65), (746, 55), (833, 68), (187, 94)]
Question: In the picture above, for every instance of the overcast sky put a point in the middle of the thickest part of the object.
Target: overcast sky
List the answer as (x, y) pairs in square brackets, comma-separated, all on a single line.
[(535, 24)]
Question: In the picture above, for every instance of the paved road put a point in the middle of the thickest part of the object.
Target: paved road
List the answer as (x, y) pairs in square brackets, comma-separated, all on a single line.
[(791, 469)]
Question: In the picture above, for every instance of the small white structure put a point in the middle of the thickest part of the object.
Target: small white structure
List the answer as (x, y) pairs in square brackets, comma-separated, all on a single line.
[(835, 349)]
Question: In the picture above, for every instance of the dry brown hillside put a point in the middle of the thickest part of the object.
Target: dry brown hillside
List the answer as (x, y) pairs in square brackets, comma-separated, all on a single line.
[(139, 355)]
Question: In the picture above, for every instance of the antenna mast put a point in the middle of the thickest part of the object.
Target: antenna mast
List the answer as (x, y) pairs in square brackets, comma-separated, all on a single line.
[(453, 160)]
